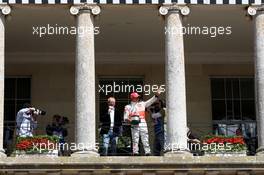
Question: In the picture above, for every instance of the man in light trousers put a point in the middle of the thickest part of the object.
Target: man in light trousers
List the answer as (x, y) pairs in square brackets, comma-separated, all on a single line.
[(135, 114)]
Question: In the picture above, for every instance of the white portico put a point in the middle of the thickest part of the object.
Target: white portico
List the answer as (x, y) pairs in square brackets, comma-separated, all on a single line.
[(174, 56), (209, 78)]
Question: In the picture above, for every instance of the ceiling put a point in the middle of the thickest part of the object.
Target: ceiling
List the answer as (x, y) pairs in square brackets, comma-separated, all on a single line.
[(129, 29)]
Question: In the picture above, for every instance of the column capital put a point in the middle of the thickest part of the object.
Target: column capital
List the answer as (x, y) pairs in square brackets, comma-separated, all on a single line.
[(254, 9), (183, 9), (94, 9), (5, 9)]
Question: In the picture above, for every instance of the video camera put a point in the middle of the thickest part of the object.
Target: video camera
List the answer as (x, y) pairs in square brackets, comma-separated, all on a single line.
[(35, 111), (39, 112), (32, 110)]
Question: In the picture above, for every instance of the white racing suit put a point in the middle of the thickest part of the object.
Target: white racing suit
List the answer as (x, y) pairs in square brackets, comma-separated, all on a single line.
[(140, 130)]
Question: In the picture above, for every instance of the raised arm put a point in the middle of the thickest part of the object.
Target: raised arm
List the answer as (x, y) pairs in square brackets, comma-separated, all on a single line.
[(25, 112), (150, 101)]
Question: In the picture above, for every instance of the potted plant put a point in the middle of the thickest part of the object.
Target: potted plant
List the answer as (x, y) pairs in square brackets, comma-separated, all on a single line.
[(37, 145), (224, 145)]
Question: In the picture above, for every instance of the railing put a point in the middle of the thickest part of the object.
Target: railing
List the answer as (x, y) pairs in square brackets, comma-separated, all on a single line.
[(124, 139)]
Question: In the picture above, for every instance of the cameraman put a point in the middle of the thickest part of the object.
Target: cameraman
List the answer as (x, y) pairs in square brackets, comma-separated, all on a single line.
[(57, 128), (26, 121)]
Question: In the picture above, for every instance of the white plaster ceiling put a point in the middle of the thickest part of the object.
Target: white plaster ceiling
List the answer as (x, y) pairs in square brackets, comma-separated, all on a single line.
[(130, 30)]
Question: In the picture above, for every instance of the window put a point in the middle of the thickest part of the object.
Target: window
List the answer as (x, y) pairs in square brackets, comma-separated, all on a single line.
[(233, 99), (124, 146), (17, 92), (233, 109), (121, 96)]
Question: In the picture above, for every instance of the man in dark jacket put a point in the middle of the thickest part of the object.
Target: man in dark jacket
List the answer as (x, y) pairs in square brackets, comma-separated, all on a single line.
[(111, 122)]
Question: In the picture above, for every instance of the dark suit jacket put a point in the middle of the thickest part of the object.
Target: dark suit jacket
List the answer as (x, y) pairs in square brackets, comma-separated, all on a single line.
[(105, 122)]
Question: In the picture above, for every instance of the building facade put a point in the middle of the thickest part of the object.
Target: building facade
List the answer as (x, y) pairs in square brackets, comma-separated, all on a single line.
[(213, 74)]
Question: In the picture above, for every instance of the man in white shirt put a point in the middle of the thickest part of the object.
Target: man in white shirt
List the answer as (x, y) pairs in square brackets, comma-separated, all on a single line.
[(110, 127), (25, 121)]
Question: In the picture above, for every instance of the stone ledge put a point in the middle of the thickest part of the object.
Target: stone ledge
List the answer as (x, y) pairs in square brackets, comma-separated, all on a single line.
[(133, 163)]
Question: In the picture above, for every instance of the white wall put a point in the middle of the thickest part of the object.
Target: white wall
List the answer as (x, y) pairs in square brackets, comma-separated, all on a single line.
[(53, 87)]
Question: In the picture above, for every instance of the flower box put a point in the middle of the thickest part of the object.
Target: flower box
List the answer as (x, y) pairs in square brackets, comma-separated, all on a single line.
[(41, 145), (224, 146), (51, 153), (241, 153)]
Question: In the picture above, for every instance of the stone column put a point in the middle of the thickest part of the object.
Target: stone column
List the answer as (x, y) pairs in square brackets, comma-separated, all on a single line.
[(5, 10), (258, 13), (175, 79), (85, 127)]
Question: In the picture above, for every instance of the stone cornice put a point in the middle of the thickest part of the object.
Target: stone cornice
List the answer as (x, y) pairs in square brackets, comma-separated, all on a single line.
[(133, 58), (166, 8), (95, 9)]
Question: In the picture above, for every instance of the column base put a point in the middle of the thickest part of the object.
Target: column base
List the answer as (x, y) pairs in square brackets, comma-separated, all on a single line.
[(178, 153), (2, 153), (88, 153), (260, 151)]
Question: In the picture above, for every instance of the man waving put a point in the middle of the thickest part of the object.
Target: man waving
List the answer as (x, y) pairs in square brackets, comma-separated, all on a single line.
[(135, 114)]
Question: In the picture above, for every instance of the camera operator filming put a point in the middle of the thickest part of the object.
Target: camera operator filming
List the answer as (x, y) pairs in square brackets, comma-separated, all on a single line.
[(26, 120)]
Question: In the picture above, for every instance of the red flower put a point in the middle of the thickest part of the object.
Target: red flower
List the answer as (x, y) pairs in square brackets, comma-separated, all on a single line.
[(232, 140), (24, 145)]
